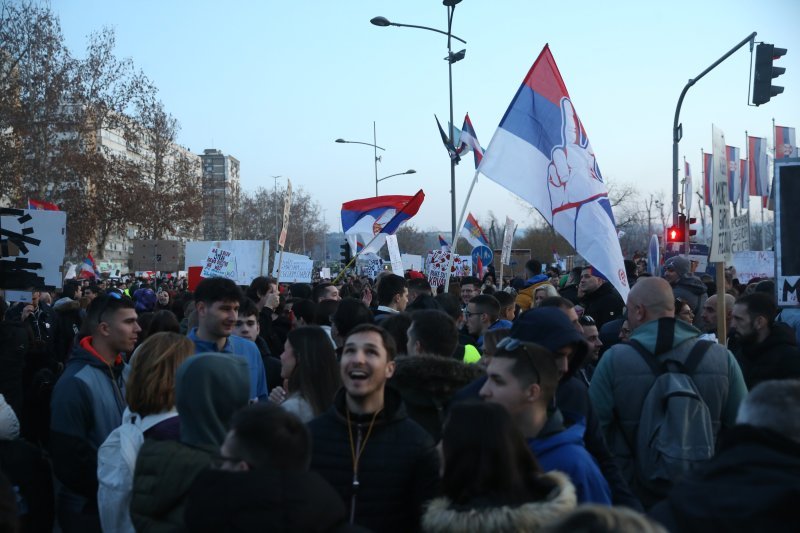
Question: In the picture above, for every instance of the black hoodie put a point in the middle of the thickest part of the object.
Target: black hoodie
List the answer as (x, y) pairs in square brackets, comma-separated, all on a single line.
[(778, 357)]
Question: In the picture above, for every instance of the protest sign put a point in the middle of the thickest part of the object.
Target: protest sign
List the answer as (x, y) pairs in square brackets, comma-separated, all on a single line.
[(219, 263), (295, 268), (751, 265), (740, 233), (252, 257), (394, 254), (33, 244), (436, 267), (325, 273), (787, 231), (369, 265), (508, 238), (721, 246)]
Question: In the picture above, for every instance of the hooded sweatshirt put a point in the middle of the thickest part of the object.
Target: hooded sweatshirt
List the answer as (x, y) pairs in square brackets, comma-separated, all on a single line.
[(209, 389), (690, 289)]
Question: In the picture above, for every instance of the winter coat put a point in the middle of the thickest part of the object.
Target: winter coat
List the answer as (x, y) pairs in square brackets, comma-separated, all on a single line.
[(778, 357), (693, 291), (87, 405), (623, 378), (562, 449), (427, 384), (263, 500), (751, 484), (604, 304), (442, 516), (398, 470), (245, 349), (209, 389), (525, 296)]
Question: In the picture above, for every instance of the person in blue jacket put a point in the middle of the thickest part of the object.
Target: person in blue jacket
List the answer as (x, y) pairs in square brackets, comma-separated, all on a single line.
[(217, 303), (523, 377)]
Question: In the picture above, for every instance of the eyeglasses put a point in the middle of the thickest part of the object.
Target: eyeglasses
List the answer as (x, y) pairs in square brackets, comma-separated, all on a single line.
[(468, 314)]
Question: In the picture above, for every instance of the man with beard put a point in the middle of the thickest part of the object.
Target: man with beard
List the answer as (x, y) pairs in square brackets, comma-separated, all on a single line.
[(383, 464), (767, 349), (217, 301)]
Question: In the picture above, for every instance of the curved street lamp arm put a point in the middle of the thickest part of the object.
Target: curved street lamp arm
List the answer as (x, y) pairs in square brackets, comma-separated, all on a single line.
[(359, 142), (427, 28)]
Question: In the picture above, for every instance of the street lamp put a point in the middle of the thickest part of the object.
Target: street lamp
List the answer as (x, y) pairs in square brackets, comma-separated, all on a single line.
[(409, 171), (375, 149), (451, 58)]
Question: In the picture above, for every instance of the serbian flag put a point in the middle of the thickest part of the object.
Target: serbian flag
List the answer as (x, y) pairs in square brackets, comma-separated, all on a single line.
[(473, 233), (443, 244), (42, 205), (785, 142), (734, 179), (451, 149), (744, 172), (758, 165), (708, 178), (89, 267), (468, 140), (541, 152), (687, 188), (377, 216)]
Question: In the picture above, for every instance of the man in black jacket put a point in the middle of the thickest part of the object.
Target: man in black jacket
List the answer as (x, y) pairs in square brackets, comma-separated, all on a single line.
[(751, 484), (766, 349), (383, 464), (599, 298)]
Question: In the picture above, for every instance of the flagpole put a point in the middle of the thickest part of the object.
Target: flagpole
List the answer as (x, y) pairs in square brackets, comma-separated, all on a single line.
[(454, 240), (355, 256)]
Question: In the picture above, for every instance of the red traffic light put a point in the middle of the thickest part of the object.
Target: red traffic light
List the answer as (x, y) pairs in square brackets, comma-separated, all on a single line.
[(675, 234)]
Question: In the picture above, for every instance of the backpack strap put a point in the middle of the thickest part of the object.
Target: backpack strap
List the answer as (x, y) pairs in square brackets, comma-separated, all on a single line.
[(655, 365), (696, 355)]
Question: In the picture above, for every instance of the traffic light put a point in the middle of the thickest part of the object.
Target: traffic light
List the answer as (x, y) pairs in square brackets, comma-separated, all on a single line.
[(675, 234), (689, 231), (764, 73), (346, 254)]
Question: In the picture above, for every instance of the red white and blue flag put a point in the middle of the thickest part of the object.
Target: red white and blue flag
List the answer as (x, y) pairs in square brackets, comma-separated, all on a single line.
[(758, 165), (473, 233), (468, 141), (377, 216), (734, 178), (42, 205), (785, 142), (89, 268), (708, 178), (744, 172), (541, 152), (448, 144), (443, 244)]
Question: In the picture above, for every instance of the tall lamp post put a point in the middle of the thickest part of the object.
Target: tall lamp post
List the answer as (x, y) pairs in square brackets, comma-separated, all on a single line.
[(375, 149), (409, 171), (451, 58)]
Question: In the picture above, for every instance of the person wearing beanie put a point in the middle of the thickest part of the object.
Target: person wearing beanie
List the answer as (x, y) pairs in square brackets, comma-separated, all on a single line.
[(686, 286)]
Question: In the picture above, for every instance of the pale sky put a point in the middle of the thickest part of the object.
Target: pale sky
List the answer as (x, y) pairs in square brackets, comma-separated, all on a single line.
[(275, 83)]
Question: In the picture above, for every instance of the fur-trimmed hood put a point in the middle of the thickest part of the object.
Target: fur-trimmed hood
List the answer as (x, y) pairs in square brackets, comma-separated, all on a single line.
[(441, 517), (438, 376)]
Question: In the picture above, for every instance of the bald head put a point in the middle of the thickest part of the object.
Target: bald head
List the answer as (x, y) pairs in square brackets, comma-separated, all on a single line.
[(650, 299), (709, 313)]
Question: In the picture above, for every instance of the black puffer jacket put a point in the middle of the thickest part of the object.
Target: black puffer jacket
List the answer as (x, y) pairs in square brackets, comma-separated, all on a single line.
[(778, 357), (604, 304), (398, 470), (262, 500), (427, 384), (751, 484)]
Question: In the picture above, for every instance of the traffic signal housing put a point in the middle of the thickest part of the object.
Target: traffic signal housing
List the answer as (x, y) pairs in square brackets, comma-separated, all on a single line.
[(689, 231), (346, 253), (676, 234), (765, 72)]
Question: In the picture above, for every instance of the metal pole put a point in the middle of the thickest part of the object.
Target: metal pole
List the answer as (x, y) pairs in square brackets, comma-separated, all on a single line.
[(450, 10), (375, 150), (677, 131)]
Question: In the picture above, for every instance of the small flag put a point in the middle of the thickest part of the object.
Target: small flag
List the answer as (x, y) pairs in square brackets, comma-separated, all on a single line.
[(708, 178), (468, 140), (744, 172), (42, 205), (473, 233), (451, 150), (734, 179), (785, 142), (89, 267), (759, 164), (443, 244), (379, 215)]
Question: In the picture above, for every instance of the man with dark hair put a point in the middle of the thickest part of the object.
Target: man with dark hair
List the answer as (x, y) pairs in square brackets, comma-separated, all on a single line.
[(751, 483), (686, 286), (429, 376), (566, 307), (349, 314), (217, 303), (382, 464), (599, 298), (767, 349), (470, 288), (304, 311), (247, 327), (92, 291), (534, 278), (483, 314), (392, 297), (325, 291), (418, 287), (87, 405), (523, 377), (508, 309), (264, 292), (262, 479), (67, 319)]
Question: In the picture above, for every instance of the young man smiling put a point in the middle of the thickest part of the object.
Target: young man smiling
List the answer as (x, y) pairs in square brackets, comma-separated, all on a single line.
[(383, 464), (217, 303)]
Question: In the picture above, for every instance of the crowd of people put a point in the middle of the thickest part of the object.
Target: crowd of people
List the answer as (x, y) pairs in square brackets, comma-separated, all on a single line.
[(540, 403)]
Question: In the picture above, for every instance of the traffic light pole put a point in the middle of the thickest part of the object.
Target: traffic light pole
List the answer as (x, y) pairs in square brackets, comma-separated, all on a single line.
[(677, 128)]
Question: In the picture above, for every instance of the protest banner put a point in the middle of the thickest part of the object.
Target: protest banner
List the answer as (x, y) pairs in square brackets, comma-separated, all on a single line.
[(787, 231), (219, 263), (33, 246), (751, 265), (325, 273), (740, 233), (369, 265), (436, 266), (508, 238), (294, 268), (252, 257), (721, 246), (394, 254)]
